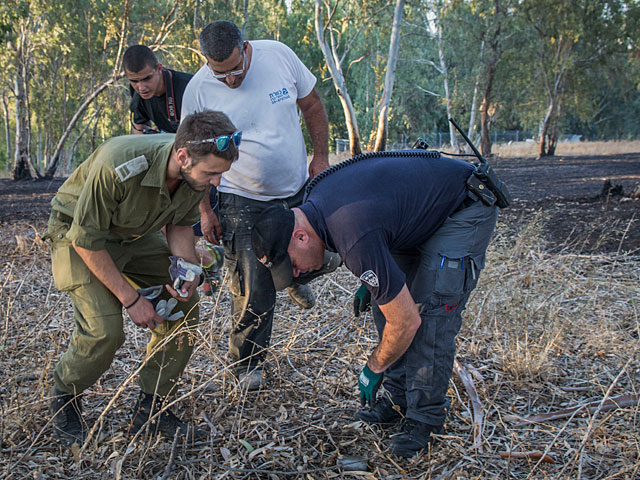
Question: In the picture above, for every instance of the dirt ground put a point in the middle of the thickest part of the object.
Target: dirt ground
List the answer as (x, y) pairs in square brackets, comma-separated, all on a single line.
[(564, 190), (552, 330)]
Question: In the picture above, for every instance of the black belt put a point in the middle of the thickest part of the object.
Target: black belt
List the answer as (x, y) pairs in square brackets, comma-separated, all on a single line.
[(467, 202)]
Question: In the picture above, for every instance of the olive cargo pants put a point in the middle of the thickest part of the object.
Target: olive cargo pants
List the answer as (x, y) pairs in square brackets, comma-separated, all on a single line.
[(99, 332)]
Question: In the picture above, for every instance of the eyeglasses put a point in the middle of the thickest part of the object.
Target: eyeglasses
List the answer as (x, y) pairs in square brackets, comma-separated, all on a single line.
[(234, 73), (222, 142)]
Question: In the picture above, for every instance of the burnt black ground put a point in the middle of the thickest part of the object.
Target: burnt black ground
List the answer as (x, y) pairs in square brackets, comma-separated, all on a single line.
[(565, 189)]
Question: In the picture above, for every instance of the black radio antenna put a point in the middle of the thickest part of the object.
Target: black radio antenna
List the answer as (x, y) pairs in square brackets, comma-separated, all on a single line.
[(475, 150)]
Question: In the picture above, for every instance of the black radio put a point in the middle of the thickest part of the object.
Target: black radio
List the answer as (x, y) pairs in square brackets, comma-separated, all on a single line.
[(484, 183)]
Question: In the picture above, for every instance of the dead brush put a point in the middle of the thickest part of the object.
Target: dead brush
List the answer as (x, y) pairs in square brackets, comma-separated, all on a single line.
[(542, 333)]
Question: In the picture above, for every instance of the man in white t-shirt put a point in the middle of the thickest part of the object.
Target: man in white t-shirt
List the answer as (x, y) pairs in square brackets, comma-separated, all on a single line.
[(260, 85)]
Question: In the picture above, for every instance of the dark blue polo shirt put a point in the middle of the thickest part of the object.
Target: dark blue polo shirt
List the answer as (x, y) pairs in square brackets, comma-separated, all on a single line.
[(370, 208)]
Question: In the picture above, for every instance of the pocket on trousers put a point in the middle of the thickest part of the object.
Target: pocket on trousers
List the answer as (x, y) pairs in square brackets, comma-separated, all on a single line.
[(451, 277), (69, 271)]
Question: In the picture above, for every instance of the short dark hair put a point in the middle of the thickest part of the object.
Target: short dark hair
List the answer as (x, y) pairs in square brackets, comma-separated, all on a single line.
[(219, 39), (137, 57), (203, 125)]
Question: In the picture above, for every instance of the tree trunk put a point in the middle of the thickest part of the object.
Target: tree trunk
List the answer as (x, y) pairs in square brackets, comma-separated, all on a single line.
[(552, 142), (485, 136), (544, 129), (339, 82), (55, 160), (7, 130), (445, 75), (23, 167), (474, 101), (245, 17), (196, 24), (74, 145), (389, 78)]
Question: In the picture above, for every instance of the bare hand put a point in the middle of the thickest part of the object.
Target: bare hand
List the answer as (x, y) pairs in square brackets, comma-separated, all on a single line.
[(144, 315), (318, 163), (210, 225), (187, 288)]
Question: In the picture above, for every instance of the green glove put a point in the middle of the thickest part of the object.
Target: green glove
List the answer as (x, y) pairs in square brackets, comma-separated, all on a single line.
[(369, 383), (361, 300)]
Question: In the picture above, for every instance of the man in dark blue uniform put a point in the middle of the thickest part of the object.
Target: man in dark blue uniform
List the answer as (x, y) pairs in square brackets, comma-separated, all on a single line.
[(404, 224)]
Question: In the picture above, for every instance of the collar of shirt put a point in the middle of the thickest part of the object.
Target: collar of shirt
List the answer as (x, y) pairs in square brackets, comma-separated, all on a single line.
[(157, 173)]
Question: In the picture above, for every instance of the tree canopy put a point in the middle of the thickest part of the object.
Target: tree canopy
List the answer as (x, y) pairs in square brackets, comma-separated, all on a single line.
[(544, 66)]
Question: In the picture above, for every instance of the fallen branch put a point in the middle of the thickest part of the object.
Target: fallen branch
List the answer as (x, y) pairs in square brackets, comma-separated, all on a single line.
[(476, 403), (613, 403), (533, 455)]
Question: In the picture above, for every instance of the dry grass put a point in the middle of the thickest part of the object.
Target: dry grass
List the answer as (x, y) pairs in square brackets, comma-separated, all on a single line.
[(530, 149), (542, 332)]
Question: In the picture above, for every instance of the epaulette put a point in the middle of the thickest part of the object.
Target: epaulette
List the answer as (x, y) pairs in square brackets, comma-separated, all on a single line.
[(132, 168)]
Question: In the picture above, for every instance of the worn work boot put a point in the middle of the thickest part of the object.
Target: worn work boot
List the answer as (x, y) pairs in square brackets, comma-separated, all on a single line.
[(66, 414), (251, 380), (165, 423), (415, 438), (302, 295), (384, 413)]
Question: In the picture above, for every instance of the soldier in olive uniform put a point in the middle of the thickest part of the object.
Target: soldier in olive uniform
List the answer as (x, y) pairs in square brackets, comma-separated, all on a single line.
[(105, 229)]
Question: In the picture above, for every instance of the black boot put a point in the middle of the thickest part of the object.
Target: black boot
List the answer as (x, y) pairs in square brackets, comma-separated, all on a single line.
[(66, 414), (384, 412), (165, 423), (415, 438)]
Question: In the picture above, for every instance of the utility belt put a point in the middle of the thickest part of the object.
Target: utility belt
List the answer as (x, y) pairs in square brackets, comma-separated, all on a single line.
[(491, 191), (485, 185)]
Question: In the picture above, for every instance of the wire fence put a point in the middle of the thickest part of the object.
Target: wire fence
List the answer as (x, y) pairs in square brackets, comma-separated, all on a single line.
[(440, 139)]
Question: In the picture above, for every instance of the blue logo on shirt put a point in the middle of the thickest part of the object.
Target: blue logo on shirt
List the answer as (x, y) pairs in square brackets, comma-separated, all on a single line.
[(279, 95)]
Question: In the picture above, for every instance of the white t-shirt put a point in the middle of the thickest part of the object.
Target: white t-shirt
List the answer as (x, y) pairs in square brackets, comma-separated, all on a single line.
[(273, 159)]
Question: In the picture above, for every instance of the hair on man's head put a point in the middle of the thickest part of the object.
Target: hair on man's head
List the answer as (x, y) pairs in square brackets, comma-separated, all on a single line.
[(219, 39), (137, 57), (201, 126)]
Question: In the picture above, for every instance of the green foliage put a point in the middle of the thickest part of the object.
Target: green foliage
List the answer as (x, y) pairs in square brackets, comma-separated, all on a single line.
[(70, 48)]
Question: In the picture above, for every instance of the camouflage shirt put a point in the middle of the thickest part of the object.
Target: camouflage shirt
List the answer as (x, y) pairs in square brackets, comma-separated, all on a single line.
[(119, 193)]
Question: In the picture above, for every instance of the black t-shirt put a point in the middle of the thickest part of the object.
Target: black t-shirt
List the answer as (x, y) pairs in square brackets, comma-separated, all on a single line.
[(370, 208), (156, 109)]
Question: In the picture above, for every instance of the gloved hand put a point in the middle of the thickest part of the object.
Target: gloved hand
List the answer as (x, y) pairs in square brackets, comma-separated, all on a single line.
[(369, 383), (162, 307), (182, 271), (361, 300), (217, 253)]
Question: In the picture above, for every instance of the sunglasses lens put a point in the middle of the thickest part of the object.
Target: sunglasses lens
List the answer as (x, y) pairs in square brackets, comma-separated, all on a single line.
[(237, 138), (222, 143)]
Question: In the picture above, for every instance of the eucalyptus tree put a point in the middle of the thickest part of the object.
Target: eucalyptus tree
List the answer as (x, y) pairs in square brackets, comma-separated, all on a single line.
[(389, 77), (336, 49)]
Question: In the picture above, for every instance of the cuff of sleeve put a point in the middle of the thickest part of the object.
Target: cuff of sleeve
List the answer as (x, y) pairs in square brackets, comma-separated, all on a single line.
[(86, 237)]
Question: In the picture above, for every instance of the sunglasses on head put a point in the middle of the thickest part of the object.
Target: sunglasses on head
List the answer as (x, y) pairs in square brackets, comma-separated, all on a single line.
[(222, 142)]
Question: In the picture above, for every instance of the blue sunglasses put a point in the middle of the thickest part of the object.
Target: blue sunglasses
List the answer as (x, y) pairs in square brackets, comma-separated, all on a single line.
[(222, 142)]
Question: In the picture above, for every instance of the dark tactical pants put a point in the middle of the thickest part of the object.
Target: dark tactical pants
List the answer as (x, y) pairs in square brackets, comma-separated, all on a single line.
[(253, 295), (98, 331), (441, 274)]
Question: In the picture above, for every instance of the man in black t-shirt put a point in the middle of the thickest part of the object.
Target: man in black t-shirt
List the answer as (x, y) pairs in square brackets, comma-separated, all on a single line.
[(404, 223), (156, 92)]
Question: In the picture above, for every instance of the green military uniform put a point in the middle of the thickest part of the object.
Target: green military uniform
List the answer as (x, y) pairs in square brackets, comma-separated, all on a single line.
[(118, 200)]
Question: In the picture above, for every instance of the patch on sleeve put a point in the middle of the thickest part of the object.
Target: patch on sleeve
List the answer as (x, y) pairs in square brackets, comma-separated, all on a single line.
[(132, 168), (370, 278)]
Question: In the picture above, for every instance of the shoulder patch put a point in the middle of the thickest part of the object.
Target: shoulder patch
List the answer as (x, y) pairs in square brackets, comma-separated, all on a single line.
[(132, 168), (370, 278)]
